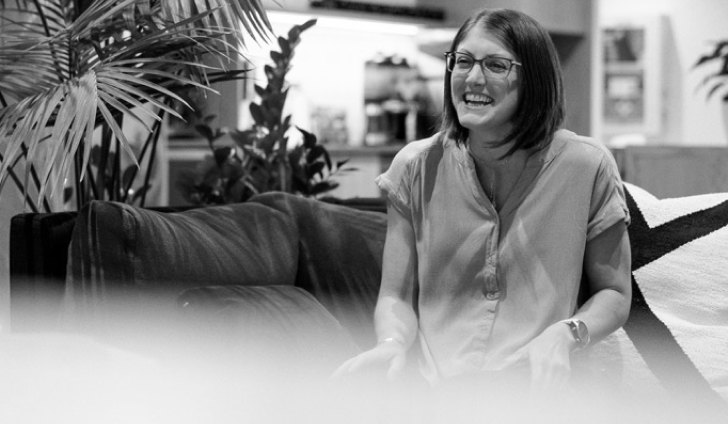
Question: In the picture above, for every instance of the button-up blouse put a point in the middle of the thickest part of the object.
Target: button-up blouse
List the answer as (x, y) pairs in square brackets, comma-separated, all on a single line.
[(488, 282)]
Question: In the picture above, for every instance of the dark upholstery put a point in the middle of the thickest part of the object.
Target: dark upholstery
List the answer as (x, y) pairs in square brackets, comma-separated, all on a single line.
[(119, 251), (280, 325), (340, 259), (39, 248)]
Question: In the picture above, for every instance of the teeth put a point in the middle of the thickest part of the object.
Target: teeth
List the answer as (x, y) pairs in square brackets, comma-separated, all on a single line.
[(477, 98)]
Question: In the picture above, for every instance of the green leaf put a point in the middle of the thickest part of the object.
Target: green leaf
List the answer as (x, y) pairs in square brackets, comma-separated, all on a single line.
[(257, 112), (222, 154), (285, 46), (314, 153), (118, 133), (128, 176), (327, 158), (315, 169), (260, 91), (276, 56), (309, 140), (308, 24), (205, 131), (293, 34), (140, 192)]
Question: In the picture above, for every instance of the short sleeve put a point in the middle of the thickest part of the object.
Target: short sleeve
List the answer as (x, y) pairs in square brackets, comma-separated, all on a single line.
[(397, 182), (608, 202)]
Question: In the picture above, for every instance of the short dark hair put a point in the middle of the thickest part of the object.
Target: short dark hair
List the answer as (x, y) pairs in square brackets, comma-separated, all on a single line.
[(540, 111)]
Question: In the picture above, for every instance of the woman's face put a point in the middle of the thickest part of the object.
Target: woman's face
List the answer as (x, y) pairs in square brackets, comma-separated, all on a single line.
[(485, 106)]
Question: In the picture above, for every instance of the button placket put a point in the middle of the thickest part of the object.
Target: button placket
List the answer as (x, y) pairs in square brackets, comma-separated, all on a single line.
[(492, 292)]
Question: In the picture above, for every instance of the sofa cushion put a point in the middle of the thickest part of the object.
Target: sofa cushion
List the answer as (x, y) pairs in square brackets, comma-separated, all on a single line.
[(126, 251), (676, 336), (271, 329), (340, 258)]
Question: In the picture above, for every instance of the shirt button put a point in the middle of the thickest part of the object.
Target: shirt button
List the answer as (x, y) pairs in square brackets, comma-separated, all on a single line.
[(492, 295)]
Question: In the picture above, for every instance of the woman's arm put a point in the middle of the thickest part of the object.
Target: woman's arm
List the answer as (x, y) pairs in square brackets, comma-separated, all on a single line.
[(394, 317), (607, 262), (608, 265)]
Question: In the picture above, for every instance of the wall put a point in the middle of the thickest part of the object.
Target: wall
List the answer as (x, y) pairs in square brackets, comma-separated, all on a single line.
[(688, 118), (328, 68)]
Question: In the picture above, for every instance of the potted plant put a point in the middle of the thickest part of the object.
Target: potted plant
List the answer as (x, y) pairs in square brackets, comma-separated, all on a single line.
[(716, 82), (73, 71), (260, 158)]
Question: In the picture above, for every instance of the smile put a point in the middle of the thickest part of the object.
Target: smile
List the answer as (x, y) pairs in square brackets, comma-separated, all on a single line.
[(472, 99)]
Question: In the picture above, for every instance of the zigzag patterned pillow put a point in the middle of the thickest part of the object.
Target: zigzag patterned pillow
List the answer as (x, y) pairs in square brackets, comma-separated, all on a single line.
[(675, 343)]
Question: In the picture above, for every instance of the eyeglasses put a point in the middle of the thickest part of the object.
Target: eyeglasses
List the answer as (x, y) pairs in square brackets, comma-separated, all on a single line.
[(493, 66)]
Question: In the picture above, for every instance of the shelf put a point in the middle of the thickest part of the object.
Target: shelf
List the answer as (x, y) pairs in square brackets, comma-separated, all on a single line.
[(389, 150)]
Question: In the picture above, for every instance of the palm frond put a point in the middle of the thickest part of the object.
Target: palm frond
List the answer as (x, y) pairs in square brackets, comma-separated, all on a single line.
[(132, 95), (71, 66), (243, 16), (74, 123)]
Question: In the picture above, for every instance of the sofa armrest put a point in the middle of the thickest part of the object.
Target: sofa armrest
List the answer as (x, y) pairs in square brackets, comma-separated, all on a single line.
[(38, 256)]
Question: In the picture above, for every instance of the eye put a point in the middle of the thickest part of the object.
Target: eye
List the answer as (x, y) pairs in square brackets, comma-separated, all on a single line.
[(463, 61), (497, 65)]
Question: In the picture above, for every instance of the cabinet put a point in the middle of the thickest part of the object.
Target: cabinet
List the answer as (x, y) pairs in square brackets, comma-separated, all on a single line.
[(674, 171), (182, 155), (369, 162)]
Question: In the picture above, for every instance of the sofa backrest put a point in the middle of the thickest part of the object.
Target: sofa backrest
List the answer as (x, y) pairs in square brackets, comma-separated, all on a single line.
[(340, 257), (122, 252)]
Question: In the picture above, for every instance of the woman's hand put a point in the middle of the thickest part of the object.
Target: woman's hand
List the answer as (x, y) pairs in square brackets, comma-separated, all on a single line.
[(386, 357), (548, 356)]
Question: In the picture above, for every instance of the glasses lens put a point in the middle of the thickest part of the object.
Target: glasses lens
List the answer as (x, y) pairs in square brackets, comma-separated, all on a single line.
[(493, 67), (496, 66), (458, 62)]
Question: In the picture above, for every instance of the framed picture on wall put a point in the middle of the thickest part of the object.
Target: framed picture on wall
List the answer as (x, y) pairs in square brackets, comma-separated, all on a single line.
[(632, 79)]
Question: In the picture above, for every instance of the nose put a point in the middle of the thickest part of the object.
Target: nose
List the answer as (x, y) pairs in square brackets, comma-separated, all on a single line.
[(476, 75)]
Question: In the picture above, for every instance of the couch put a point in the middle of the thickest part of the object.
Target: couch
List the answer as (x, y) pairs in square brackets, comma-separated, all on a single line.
[(302, 276)]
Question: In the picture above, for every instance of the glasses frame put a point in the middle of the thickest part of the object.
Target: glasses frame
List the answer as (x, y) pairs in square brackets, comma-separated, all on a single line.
[(481, 62)]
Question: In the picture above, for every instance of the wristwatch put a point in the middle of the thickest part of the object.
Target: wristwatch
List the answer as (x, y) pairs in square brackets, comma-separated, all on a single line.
[(579, 331)]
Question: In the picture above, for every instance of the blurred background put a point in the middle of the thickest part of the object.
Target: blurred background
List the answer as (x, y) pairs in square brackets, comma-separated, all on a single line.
[(367, 78)]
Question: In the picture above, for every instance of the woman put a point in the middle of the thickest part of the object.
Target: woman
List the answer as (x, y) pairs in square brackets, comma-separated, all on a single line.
[(493, 221)]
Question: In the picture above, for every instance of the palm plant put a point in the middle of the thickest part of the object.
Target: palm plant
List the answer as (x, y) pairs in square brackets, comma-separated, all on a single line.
[(73, 68)]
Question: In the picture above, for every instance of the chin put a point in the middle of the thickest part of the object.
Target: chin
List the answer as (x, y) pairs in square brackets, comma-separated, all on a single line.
[(483, 124)]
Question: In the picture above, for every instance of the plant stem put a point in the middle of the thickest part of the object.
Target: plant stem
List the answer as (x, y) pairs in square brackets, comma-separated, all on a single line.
[(152, 139), (114, 190), (150, 166), (106, 135), (77, 160), (34, 176), (16, 180), (116, 174)]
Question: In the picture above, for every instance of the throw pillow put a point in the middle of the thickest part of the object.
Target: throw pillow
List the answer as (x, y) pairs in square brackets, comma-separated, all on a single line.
[(676, 338)]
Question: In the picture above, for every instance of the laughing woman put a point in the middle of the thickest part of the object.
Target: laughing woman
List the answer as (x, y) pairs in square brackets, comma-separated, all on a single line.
[(493, 221)]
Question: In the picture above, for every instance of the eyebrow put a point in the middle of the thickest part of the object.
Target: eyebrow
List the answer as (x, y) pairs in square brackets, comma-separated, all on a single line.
[(487, 56)]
